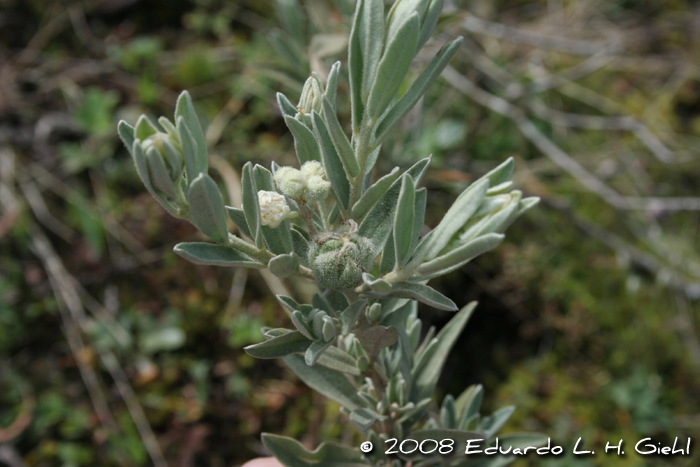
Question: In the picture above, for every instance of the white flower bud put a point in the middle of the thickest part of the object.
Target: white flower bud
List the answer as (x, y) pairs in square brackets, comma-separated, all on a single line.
[(291, 182), (317, 189), (273, 208), (311, 168)]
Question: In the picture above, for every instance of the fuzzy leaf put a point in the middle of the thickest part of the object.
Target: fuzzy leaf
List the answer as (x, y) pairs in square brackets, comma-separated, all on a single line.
[(159, 175), (292, 453), (332, 84), (185, 109), (287, 108), (314, 352), (459, 256), (355, 67), (468, 404), (423, 293), (144, 128), (417, 89), (330, 383), (251, 208), (305, 143), (337, 359), (189, 150), (335, 172), (459, 213), (403, 220), (370, 197), (238, 217), (426, 374), (371, 41), (393, 67), (287, 343), (378, 337), (215, 255), (350, 314), (207, 208), (285, 265), (491, 424), (126, 133), (375, 226), (340, 140)]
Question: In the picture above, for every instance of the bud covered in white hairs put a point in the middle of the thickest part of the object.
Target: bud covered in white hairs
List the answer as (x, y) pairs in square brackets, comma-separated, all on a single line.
[(290, 182), (273, 208)]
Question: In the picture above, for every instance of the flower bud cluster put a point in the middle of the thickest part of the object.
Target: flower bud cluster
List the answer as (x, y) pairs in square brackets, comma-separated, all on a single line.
[(338, 262), (308, 184)]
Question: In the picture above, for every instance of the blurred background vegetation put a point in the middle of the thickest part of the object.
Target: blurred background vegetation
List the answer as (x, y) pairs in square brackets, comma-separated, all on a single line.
[(115, 352)]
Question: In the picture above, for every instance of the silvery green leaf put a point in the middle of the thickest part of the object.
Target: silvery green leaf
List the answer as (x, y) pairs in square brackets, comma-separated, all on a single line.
[(448, 413), (429, 22), (169, 128), (173, 159), (388, 260), (287, 108), (287, 343), (491, 424), (370, 197), (144, 128), (377, 337), (291, 15), (502, 173), (526, 204), (423, 293), (393, 67), (185, 109), (126, 133), (523, 440), (313, 353), (503, 218), (401, 11), (426, 374), (238, 218), (419, 218), (371, 41), (215, 255), (285, 265), (499, 189), (142, 171), (454, 219), (403, 220), (355, 67), (207, 208), (337, 300), (349, 316), (377, 285), (292, 453), (374, 225), (251, 208), (299, 322), (417, 89), (332, 84), (337, 359), (288, 302), (468, 404), (330, 383), (189, 150), (305, 143), (363, 418), (340, 140), (159, 174), (460, 256), (335, 172), (300, 245)]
